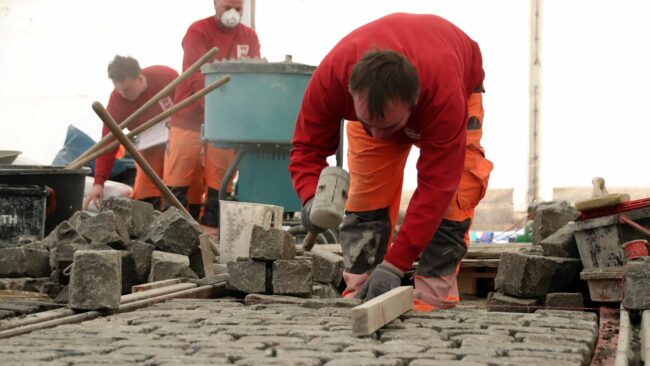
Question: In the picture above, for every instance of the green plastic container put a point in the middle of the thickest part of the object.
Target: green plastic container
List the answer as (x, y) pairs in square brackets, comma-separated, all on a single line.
[(255, 113)]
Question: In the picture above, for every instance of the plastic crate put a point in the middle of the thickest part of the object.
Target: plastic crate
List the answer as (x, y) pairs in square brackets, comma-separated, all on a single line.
[(67, 185), (22, 214)]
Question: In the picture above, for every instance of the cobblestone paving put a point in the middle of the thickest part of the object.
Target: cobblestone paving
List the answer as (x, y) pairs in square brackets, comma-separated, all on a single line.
[(225, 332)]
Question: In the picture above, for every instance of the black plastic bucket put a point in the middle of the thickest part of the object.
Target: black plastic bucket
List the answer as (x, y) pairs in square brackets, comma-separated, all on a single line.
[(68, 186)]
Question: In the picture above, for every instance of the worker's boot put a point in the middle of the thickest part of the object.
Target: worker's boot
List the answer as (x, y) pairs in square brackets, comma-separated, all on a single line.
[(211, 209), (181, 195), (435, 281), (195, 211), (364, 241)]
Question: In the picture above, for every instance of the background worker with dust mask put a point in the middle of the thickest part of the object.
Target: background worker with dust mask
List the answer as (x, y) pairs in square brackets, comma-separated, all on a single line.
[(133, 87), (401, 80), (187, 155)]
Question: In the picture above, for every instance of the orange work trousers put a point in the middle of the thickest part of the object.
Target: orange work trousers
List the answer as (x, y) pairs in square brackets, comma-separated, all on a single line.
[(376, 170), (190, 158), (144, 187)]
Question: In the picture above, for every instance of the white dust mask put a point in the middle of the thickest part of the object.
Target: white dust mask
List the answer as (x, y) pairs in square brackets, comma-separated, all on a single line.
[(230, 18)]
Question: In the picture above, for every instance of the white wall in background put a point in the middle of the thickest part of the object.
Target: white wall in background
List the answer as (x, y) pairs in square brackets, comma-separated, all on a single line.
[(53, 58)]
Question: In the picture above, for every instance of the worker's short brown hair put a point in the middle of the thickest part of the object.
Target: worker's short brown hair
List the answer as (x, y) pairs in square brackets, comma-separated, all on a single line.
[(385, 75), (123, 67)]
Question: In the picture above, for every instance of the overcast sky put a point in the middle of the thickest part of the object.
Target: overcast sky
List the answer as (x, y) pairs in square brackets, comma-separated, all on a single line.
[(53, 57)]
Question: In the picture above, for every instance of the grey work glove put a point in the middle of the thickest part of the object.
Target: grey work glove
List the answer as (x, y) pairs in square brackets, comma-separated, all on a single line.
[(384, 278), (304, 218)]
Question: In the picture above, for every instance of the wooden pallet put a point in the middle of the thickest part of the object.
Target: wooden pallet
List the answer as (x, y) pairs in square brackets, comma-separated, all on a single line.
[(469, 278), (479, 265)]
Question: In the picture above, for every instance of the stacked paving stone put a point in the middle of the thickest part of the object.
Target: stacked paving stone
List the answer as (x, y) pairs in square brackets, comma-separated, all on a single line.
[(637, 284), (272, 266), (151, 246), (327, 272), (548, 274), (312, 332)]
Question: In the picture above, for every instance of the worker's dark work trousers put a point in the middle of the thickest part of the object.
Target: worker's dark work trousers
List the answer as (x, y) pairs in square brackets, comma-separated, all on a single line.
[(364, 239), (211, 209)]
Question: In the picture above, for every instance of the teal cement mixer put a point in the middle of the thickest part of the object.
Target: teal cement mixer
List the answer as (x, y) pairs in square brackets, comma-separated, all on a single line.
[(255, 113)]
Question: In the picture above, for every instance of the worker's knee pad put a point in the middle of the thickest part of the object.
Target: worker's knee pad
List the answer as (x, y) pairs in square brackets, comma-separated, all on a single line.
[(364, 239), (211, 209), (445, 250)]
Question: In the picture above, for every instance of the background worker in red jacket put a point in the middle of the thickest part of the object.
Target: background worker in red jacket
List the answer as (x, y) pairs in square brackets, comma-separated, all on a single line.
[(187, 154), (401, 80), (133, 88)]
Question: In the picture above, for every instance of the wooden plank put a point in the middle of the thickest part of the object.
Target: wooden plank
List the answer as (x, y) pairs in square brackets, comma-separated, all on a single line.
[(466, 285), (205, 245), (15, 294), (479, 263), (153, 285), (477, 251), (374, 314)]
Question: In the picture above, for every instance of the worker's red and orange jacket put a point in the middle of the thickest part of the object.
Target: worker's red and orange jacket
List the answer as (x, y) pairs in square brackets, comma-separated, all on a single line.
[(120, 109), (449, 66), (201, 36)]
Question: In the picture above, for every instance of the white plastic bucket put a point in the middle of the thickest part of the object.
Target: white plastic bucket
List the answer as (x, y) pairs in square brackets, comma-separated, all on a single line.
[(236, 220)]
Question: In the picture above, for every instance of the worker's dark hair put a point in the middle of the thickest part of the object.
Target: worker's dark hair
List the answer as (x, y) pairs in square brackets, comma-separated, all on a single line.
[(123, 67), (385, 75)]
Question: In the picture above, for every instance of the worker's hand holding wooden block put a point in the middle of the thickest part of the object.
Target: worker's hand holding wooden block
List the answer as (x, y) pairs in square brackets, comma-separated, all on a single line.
[(374, 314)]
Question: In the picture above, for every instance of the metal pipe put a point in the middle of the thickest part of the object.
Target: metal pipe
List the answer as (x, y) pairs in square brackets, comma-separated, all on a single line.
[(231, 170), (624, 219)]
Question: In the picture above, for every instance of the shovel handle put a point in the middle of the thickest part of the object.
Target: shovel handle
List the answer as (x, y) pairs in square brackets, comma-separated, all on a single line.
[(103, 114)]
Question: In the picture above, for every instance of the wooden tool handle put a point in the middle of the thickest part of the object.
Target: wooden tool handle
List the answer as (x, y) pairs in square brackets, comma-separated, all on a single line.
[(143, 108), (117, 132), (599, 187), (152, 122)]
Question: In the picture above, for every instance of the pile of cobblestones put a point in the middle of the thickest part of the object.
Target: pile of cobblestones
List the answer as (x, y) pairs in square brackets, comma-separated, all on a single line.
[(272, 267), (151, 246)]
